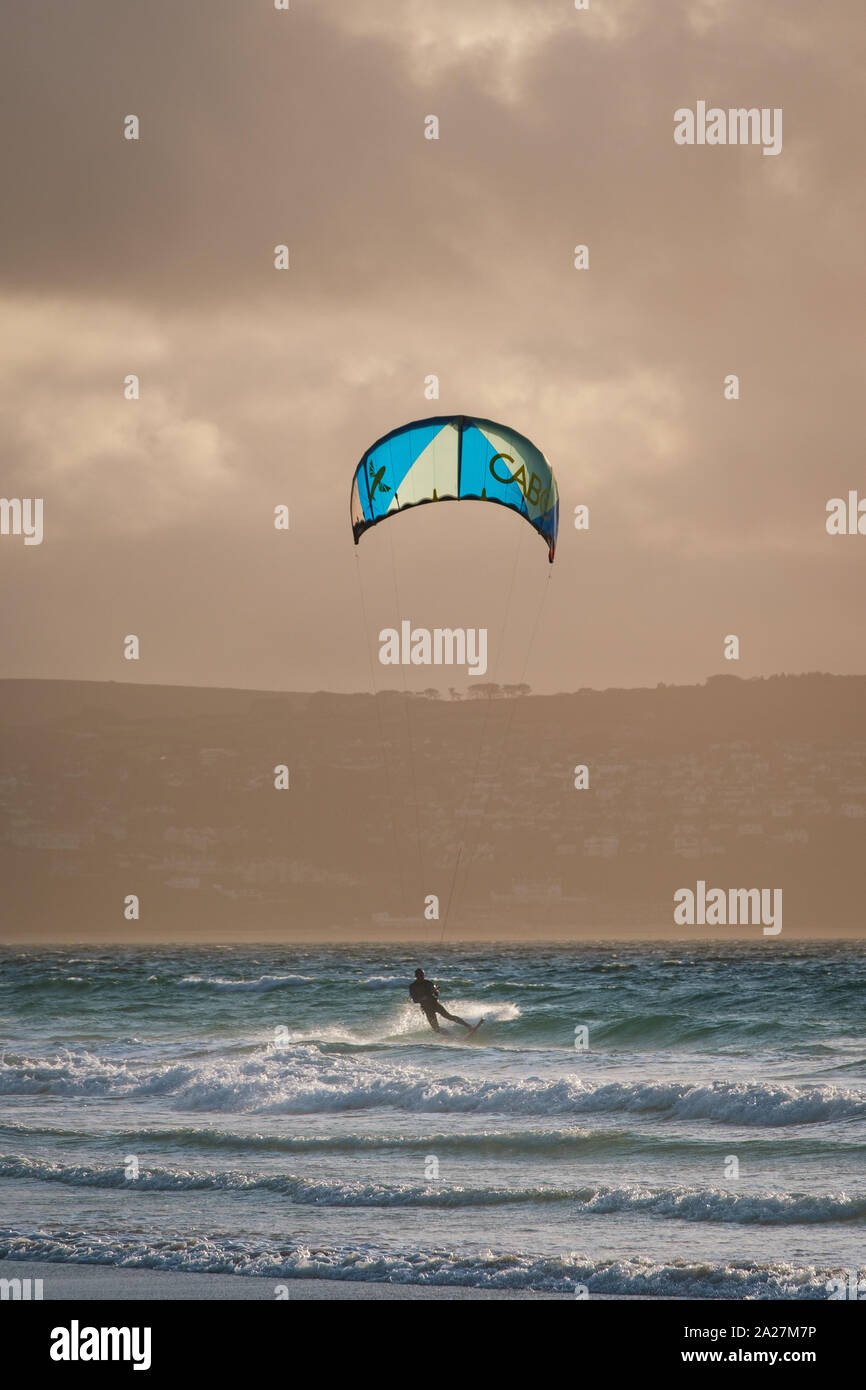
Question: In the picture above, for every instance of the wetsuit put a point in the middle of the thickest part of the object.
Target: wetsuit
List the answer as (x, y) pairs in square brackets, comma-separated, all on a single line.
[(425, 993)]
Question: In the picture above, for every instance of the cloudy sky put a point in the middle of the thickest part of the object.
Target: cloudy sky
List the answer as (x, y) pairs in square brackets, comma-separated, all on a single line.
[(412, 257)]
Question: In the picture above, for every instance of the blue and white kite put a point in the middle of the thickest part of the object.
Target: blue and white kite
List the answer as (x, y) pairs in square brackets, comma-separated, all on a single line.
[(455, 458)]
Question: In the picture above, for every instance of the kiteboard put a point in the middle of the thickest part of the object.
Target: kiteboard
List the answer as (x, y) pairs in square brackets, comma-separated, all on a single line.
[(473, 1030)]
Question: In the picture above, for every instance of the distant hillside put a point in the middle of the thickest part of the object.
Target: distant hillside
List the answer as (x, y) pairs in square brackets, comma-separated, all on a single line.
[(168, 793)]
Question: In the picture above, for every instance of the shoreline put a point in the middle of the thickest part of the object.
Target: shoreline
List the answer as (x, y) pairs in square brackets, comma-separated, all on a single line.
[(65, 1282)]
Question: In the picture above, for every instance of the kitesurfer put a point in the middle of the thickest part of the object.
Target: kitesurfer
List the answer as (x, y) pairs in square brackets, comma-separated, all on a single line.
[(425, 993)]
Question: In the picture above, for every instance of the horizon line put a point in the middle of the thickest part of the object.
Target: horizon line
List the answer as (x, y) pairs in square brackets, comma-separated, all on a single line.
[(389, 690)]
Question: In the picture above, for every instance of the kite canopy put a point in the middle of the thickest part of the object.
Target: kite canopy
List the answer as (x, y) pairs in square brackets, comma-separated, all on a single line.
[(452, 458)]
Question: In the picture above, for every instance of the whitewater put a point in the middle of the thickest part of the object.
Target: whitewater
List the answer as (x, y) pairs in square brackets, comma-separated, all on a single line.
[(288, 1113)]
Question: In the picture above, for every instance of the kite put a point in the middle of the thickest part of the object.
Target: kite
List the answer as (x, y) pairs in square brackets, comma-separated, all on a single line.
[(455, 458)]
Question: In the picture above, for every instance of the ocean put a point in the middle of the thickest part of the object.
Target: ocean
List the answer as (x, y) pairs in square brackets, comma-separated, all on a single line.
[(287, 1112)]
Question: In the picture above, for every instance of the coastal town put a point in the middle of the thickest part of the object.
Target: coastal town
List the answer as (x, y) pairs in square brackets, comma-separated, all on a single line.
[(518, 812)]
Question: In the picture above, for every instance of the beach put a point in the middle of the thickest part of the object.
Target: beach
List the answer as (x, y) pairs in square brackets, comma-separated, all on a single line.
[(67, 1283)]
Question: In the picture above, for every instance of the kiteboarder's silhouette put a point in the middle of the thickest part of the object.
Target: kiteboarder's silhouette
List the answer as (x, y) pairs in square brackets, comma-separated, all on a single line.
[(425, 993)]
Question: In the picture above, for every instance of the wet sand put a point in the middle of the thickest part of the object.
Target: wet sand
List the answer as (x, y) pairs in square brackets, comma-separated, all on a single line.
[(67, 1282)]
